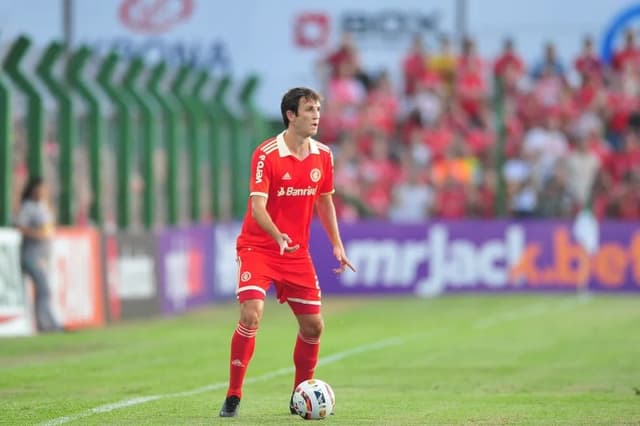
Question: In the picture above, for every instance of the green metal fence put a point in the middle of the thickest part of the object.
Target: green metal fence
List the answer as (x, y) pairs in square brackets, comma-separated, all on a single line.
[(154, 115)]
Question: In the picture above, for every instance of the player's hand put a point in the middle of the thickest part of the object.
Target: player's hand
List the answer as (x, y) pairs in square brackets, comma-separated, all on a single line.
[(283, 241), (345, 263)]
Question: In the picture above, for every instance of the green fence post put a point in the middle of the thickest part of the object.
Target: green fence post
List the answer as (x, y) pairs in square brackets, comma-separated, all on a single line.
[(249, 135), (6, 166), (124, 136), (65, 132), (147, 108), (204, 124), (255, 120), (34, 122), (499, 156), (238, 188), (171, 113), (74, 73), (192, 138), (219, 147)]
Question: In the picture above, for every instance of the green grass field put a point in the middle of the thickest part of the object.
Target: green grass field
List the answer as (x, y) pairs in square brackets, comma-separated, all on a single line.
[(453, 360)]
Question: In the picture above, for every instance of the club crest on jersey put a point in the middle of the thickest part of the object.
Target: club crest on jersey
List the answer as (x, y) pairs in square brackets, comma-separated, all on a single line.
[(246, 276), (315, 175)]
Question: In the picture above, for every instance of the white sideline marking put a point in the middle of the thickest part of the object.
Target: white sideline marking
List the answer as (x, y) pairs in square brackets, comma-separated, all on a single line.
[(338, 356)]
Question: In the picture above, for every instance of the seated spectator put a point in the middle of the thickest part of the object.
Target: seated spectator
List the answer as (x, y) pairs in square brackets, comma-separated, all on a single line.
[(427, 102), (548, 89), (451, 200), (509, 67), (545, 145), (412, 198), (482, 202), (522, 195), (380, 110), (414, 65), (588, 63), (618, 106), (346, 56), (601, 197), (621, 162), (626, 196), (347, 94), (347, 177), (438, 137), (556, 199), (457, 164), (379, 174), (629, 55), (549, 63), (444, 62)]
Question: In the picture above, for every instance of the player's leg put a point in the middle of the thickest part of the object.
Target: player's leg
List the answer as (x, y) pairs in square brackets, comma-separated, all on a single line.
[(307, 347), (251, 291), (243, 343), (305, 353), (305, 304)]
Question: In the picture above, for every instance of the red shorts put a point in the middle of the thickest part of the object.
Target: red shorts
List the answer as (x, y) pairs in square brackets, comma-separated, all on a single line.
[(294, 278)]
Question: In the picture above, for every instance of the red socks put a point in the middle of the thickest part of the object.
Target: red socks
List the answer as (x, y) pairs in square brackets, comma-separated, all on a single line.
[(243, 343), (305, 357)]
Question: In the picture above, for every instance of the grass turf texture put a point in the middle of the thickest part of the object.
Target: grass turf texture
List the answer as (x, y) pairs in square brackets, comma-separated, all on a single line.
[(457, 360)]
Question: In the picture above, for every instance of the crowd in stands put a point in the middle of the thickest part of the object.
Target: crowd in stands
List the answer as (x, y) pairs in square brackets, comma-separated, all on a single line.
[(445, 146)]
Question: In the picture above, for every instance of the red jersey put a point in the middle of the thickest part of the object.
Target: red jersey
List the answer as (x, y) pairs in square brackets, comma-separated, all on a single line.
[(291, 187)]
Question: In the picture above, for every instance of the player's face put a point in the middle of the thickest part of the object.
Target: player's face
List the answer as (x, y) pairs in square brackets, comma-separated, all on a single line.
[(306, 122)]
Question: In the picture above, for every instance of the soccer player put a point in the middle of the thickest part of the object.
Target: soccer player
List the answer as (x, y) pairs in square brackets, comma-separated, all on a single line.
[(290, 173)]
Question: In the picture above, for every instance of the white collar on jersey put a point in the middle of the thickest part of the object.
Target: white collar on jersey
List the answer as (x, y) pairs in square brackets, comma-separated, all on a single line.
[(283, 149)]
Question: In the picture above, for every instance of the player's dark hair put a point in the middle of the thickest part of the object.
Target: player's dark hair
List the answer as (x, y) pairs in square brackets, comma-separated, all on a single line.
[(29, 189), (291, 101)]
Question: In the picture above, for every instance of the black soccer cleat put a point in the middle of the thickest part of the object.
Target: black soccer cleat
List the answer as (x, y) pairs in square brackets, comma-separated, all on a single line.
[(230, 406)]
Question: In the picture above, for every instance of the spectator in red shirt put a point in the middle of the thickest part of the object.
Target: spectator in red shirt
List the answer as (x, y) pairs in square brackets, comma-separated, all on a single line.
[(626, 159), (414, 65), (483, 195), (601, 196), (629, 55), (381, 107), (626, 196), (438, 138), (451, 200), (509, 67), (345, 57), (588, 63), (379, 173)]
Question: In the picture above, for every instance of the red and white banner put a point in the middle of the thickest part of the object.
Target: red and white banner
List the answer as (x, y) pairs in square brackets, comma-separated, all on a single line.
[(15, 309), (76, 278)]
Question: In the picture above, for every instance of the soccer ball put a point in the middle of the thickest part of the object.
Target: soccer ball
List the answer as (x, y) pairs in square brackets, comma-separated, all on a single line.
[(313, 399)]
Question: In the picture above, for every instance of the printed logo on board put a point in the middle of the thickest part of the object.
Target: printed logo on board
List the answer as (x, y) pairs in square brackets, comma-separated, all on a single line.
[(311, 30), (154, 16)]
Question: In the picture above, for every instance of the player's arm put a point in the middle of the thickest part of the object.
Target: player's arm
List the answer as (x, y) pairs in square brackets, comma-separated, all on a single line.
[(327, 214), (263, 219)]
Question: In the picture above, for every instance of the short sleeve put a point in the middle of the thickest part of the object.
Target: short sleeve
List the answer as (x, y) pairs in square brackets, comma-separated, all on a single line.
[(327, 182), (260, 174)]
